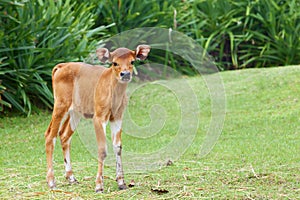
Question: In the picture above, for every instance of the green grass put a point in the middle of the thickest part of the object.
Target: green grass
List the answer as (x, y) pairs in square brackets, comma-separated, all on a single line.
[(256, 157)]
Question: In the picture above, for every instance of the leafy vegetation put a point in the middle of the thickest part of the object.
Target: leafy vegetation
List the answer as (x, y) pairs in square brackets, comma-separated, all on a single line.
[(256, 157), (243, 34), (36, 35)]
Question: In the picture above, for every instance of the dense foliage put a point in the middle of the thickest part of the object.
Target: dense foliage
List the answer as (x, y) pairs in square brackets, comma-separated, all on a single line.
[(37, 34), (240, 34)]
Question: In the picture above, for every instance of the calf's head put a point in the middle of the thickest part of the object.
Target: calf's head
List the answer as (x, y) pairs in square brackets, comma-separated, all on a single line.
[(122, 60)]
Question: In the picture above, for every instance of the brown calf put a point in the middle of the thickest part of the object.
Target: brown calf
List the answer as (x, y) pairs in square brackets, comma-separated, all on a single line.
[(82, 90)]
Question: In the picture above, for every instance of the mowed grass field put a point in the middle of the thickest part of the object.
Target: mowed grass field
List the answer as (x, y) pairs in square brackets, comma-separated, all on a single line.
[(257, 156)]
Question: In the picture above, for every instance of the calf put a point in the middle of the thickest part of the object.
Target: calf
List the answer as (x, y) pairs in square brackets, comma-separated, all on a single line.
[(96, 92)]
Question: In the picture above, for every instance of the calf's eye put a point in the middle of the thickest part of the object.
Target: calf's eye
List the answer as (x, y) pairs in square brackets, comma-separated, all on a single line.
[(115, 64)]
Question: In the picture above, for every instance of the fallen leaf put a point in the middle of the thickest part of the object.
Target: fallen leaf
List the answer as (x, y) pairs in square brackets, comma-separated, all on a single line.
[(169, 163), (159, 191)]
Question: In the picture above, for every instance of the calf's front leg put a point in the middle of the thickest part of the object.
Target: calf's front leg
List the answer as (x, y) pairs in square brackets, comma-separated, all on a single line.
[(100, 130), (116, 131)]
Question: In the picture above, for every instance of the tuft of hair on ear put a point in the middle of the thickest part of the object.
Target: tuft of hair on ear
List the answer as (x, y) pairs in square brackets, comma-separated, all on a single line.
[(103, 54), (142, 51)]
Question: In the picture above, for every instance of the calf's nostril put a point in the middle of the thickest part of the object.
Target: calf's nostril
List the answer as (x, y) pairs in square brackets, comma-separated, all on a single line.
[(125, 74)]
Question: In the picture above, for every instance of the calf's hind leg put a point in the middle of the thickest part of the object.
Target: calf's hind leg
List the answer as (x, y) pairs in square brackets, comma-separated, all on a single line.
[(50, 139), (65, 138)]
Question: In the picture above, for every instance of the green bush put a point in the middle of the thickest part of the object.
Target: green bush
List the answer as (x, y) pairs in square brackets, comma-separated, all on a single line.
[(128, 15), (237, 34), (242, 34), (35, 36)]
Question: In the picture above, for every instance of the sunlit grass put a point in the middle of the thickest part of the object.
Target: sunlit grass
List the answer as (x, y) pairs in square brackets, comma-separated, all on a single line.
[(256, 157)]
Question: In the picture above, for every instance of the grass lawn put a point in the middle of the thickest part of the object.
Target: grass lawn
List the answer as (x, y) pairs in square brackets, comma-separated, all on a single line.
[(257, 156)]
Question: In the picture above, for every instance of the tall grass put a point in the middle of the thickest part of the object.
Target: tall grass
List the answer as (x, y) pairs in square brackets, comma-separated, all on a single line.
[(243, 34), (36, 35), (134, 14)]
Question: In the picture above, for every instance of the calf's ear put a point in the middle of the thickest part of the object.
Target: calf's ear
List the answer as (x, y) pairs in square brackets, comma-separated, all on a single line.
[(103, 54), (142, 52)]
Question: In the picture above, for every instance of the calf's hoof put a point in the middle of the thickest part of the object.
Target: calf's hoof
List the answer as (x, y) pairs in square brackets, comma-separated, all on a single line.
[(52, 185), (122, 187), (72, 180), (99, 189)]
